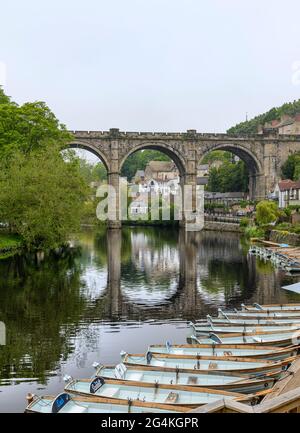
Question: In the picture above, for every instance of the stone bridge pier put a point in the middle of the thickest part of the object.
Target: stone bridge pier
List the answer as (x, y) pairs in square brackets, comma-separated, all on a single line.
[(263, 155)]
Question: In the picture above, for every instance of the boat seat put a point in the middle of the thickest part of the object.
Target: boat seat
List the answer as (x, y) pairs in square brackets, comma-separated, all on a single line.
[(160, 363), (172, 397), (110, 392), (136, 376), (79, 409), (192, 380), (93, 410)]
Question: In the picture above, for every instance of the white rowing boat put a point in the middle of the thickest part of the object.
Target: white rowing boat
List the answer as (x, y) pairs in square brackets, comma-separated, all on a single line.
[(65, 403), (206, 363), (226, 381), (235, 350), (173, 395)]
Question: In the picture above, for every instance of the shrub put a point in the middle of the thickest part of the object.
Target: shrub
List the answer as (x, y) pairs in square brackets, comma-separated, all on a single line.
[(266, 212), (254, 232), (244, 222)]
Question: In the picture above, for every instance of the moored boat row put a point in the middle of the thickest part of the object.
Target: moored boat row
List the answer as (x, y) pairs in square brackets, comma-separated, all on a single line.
[(233, 355), (281, 256)]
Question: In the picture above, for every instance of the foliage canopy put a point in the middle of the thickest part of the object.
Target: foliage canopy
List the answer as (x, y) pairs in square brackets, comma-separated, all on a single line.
[(41, 192), (250, 126), (291, 167), (266, 212)]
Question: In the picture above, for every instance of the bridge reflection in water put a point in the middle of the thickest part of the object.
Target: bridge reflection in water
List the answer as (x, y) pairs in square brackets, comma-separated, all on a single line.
[(183, 274)]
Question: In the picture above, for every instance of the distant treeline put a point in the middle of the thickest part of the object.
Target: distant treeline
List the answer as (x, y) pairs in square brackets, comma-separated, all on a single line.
[(250, 126)]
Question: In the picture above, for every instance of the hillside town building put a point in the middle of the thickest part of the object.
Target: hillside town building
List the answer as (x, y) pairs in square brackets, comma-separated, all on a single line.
[(287, 192)]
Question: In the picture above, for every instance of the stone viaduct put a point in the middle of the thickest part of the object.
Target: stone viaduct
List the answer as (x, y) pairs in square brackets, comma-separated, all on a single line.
[(263, 154)]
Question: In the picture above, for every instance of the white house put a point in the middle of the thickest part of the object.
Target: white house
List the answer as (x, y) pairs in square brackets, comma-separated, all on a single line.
[(287, 192), (139, 207)]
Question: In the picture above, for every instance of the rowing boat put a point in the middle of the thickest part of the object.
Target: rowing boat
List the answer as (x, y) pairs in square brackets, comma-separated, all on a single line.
[(152, 393), (271, 307), (260, 313), (236, 350), (282, 339), (206, 363), (65, 403), (226, 381), (266, 321), (206, 329)]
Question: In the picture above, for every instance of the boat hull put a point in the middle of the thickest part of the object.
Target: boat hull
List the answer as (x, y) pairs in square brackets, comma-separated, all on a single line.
[(253, 321), (163, 394), (295, 308), (212, 380), (248, 351), (98, 405), (203, 363), (206, 330), (260, 314)]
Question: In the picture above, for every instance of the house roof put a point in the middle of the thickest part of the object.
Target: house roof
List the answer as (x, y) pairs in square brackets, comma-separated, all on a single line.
[(296, 185), (286, 123), (162, 166), (287, 184)]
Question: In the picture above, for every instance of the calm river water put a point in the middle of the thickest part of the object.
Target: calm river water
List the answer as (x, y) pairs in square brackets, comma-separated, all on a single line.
[(117, 290)]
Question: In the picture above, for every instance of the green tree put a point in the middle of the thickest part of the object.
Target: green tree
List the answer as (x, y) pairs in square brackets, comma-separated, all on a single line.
[(41, 192), (4, 99), (86, 170), (41, 197), (99, 172), (291, 168), (29, 127), (250, 126), (229, 177), (266, 212), (139, 160)]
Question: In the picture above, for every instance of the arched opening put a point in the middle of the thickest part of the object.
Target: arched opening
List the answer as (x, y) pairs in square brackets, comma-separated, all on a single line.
[(94, 170), (232, 176), (153, 150), (154, 172), (88, 152)]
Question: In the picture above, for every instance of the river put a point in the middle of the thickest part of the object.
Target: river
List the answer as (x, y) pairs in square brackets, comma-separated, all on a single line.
[(117, 290)]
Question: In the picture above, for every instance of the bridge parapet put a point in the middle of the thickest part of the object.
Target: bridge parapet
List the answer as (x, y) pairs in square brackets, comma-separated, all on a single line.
[(188, 135)]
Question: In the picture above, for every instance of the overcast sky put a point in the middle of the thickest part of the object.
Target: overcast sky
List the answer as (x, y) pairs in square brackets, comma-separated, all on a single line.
[(151, 65)]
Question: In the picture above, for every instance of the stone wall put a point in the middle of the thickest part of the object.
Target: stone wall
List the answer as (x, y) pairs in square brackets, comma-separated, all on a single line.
[(222, 227), (284, 238)]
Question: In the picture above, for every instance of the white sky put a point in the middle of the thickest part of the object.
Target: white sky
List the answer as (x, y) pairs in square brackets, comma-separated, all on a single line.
[(151, 65)]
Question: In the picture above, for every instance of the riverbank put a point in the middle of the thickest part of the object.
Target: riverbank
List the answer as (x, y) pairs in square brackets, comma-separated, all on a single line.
[(208, 225), (222, 226), (10, 244), (284, 237)]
